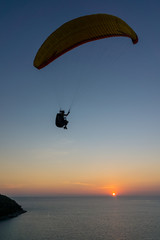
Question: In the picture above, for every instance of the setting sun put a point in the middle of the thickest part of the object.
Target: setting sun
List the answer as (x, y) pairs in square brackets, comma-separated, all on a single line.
[(113, 194)]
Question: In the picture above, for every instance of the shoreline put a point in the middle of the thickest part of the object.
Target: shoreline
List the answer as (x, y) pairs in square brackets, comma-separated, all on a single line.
[(9, 208), (12, 215)]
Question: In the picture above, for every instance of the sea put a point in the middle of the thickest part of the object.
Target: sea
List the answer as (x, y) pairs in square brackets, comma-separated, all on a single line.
[(84, 218)]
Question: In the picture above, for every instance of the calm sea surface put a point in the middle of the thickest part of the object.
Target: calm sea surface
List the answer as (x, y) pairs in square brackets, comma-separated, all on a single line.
[(84, 218)]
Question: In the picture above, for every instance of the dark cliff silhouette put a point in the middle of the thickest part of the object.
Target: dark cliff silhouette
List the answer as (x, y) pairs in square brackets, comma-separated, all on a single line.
[(9, 208)]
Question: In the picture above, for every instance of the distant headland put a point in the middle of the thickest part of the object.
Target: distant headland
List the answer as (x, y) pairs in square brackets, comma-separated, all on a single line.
[(9, 208)]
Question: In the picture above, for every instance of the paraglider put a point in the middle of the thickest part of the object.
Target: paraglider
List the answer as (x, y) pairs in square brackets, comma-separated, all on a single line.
[(75, 33), (61, 120)]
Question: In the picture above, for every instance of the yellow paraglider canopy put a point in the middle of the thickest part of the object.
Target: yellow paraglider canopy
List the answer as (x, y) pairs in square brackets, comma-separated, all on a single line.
[(79, 31)]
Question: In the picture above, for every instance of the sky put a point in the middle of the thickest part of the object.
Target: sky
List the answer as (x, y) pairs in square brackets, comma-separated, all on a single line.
[(111, 86)]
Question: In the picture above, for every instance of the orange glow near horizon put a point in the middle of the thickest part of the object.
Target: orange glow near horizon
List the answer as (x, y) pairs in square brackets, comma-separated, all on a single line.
[(73, 188), (45, 180)]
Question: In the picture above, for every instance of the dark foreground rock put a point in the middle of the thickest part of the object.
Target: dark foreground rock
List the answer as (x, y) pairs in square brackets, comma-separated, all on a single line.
[(9, 208)]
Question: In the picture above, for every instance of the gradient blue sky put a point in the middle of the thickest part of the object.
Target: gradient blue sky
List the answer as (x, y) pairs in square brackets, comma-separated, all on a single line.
[(113, 137)]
